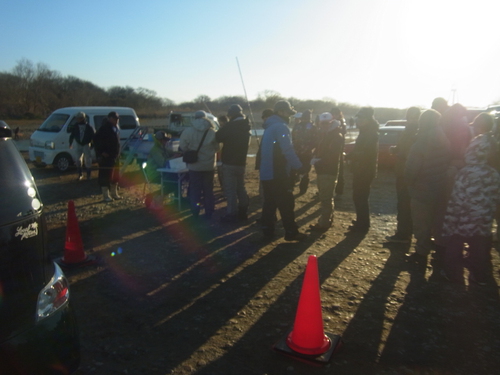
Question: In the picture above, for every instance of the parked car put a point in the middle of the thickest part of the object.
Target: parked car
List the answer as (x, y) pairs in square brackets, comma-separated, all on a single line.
[(38, 331), (388, 136), (395, 123)]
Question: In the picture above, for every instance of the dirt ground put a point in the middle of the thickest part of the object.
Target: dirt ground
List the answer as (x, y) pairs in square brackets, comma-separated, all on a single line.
[(173, 296)]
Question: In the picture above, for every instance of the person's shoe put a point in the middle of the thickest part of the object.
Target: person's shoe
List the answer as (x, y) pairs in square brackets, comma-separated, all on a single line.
[(296, 236), (105, 194), (89, 175), (318, 228), (114, 192), (80, 177), (398, 239)]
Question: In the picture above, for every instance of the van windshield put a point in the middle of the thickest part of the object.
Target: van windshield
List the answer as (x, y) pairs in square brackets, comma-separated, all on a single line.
[(54, 123)]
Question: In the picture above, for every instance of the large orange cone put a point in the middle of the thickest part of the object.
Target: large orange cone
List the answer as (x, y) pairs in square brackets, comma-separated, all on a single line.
[(307, 340), (74, 255)]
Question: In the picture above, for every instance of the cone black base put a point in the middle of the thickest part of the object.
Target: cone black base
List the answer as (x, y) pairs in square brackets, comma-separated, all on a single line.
[(89, 260), (317, 360)]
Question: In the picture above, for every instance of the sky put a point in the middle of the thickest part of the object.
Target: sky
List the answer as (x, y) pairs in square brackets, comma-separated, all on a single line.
[(383, 53)]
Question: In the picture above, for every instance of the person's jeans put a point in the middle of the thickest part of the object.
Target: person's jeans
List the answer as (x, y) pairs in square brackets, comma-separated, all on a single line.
[(326, 187), (360, 195), (233, 179), (83, 151), (201, 192), (405, 224), (423, 217), (278, 194)]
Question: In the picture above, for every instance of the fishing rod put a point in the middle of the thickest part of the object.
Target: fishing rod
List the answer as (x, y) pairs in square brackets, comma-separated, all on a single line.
[(254, 131)]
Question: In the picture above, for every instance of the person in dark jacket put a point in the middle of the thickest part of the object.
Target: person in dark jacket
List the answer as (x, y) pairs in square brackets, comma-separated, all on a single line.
[(425, 174), (339, 116), (82, 134), (107, 147), (364, 160), (326, 162), (277, 160), (305, 138), (404, 230), (235, 137)]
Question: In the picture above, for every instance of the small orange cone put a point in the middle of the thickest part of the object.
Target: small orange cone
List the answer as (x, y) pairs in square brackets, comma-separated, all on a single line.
[(74, 255), (307, 340)]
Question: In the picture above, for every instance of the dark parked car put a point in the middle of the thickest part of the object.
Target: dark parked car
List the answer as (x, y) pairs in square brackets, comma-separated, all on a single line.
[(38, 331), (388, 136)]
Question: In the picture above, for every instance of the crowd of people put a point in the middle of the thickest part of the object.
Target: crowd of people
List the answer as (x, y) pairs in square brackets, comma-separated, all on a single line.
[(447, 180)]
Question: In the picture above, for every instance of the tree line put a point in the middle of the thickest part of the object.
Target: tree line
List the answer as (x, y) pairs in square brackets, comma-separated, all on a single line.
[(32, 91)]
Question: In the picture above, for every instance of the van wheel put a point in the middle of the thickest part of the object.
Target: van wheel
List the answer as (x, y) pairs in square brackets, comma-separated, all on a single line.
[(62, 162)]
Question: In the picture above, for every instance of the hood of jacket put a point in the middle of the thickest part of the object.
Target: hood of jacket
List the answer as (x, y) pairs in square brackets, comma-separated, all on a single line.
[(202, 124), (240, 122)]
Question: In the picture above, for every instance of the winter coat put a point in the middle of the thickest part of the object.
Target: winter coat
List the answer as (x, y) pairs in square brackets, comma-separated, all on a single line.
[(426, 166), (157, 158), (403, 147), (364, 157), (305, 138), (277, 154), (88, 134), (476, 193), (190, 140), (329, 149), (235, 137), (107, 140)]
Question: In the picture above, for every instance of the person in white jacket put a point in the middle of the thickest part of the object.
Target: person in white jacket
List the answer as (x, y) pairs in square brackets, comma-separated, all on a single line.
[(201, 173)]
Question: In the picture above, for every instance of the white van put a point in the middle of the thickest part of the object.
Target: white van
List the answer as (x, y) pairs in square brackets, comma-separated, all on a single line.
[(49, 144)]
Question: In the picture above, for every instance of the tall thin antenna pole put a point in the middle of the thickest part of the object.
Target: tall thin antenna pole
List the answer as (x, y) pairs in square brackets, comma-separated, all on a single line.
[(248, 102)]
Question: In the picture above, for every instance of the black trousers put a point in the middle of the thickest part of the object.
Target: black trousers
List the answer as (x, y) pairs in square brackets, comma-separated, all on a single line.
[(360, 194), (405, 223), (109, 172), (278, 194)]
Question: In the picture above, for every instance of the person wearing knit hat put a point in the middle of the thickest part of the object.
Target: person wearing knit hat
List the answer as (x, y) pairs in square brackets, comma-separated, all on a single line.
[(82, 134), (326, 163)]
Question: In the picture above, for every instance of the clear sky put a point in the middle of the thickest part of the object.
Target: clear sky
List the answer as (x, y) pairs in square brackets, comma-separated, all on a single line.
[(392, 53)]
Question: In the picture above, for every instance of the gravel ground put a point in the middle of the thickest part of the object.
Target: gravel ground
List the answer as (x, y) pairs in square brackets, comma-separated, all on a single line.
[(170, 295)]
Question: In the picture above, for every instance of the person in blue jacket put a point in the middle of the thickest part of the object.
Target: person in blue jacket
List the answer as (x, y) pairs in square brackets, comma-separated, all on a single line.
[(278, 158)]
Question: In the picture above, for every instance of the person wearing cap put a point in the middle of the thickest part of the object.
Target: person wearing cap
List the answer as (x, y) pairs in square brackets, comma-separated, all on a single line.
[(82, 134), (201, 173), (326, 163), (364, 160), (305, 138), (235, 137), (278, 158), (107, 147)]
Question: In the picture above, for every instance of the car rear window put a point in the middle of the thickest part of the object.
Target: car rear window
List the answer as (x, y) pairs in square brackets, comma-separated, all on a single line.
[(18, 194)]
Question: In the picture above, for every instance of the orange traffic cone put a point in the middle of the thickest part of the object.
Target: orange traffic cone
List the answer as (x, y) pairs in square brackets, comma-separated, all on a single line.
[(307, 340), (74, 255)]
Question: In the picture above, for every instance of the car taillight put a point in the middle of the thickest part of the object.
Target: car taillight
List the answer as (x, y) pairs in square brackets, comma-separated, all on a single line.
[(54, 296)]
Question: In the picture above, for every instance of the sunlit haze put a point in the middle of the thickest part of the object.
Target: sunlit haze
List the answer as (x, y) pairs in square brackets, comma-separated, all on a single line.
[(391, 53)]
